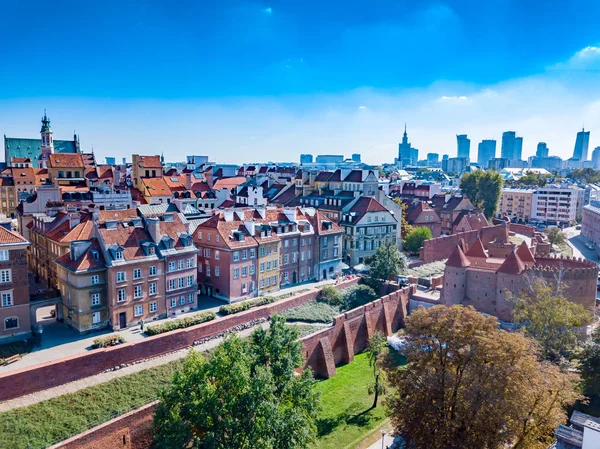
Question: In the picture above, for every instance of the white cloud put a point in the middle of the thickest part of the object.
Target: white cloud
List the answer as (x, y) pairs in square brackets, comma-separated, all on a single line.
[(587, 58)]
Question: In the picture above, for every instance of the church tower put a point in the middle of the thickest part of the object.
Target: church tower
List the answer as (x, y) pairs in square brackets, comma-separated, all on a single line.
[(47, 140)]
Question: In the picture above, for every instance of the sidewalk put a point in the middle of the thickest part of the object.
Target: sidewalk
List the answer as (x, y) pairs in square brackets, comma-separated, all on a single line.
[(60, 341), (72, 387)]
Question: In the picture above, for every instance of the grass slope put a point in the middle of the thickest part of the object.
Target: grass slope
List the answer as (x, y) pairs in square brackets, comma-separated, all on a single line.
[(312, 312)]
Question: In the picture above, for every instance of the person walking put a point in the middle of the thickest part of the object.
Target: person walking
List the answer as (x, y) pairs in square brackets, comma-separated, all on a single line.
[(142, 325)]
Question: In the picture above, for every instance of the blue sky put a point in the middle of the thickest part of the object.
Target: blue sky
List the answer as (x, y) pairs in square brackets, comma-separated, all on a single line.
[(270, 80)]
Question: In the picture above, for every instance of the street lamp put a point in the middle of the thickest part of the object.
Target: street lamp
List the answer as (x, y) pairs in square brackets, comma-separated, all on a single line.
[(382, 438)]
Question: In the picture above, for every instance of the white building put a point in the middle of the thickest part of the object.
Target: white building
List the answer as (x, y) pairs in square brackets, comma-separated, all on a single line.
[(554, 205)]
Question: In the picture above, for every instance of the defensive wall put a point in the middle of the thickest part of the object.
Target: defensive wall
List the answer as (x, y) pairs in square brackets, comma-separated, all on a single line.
[(69, 369), (347, 336)]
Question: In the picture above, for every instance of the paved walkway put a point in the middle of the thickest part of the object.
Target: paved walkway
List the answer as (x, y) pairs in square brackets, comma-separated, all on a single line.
[(379, 444), (59, 340), (72, 387)]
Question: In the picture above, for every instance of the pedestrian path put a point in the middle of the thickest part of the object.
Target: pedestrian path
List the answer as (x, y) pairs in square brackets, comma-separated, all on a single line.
[(72, 387)]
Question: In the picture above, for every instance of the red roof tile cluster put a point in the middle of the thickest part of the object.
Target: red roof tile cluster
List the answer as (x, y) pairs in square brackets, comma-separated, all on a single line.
[(149, 162), (458, 259), (157, 187), (10, 237), (66, 160), (477, 250), (86, 261), (512, 264)]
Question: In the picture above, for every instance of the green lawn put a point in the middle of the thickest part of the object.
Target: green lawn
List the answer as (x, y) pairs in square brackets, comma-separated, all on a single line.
[(345, 418), (60, 418), (312, 312)]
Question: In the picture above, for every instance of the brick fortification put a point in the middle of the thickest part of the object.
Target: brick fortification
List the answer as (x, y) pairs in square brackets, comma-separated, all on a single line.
[(472, 277)]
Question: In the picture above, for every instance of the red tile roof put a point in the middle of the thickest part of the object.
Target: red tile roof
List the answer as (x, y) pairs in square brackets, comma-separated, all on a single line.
[(512, 264), (67, 160), (157, 187), (86, 261), (63, 233), (149, 162), (458, 259), (10, 237), (228, 183), (525, 254), (477, 250)]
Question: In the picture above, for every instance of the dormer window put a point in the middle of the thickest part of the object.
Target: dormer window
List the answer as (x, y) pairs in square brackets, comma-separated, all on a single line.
[(171, 244), (119, 255), (95, 255), (151, 250)]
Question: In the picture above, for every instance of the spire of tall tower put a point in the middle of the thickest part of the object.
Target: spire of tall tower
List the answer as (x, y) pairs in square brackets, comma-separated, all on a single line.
[(45, 123)]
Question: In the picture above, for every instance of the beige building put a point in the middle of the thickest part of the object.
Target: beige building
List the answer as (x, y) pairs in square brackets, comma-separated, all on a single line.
[(516, 204)]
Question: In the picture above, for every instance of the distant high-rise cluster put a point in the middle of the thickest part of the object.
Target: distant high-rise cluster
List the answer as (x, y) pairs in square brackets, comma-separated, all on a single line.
[(486, 151), (582, 142), (463, 146)]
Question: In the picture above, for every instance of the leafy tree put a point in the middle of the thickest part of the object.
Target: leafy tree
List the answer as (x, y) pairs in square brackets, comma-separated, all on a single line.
[(555, 235), (243, 395), (585, 175), (358, 296), (331, 295), (405, 226), (550, 318), (483, 189), (589, 365), (414, 241), (469, 384), (388, 262), (375, 352)]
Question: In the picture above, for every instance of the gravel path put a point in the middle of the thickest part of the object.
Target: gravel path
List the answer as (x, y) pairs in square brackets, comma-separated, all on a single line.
[(72, 387)]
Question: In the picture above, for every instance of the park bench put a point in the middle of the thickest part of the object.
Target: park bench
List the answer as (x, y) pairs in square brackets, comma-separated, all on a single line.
[(12, 359)]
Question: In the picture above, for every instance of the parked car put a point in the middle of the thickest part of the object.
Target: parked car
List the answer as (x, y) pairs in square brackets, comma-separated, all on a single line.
[(402, 281)]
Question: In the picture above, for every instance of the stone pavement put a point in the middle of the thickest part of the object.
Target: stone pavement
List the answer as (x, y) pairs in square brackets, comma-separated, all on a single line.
[(379, 444), (72, 387), (60, 341)]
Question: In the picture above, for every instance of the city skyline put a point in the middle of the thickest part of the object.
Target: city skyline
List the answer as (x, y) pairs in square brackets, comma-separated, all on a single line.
[(236, 93)]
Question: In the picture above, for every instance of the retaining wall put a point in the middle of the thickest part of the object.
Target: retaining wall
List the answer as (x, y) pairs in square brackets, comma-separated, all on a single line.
[(58, 372)]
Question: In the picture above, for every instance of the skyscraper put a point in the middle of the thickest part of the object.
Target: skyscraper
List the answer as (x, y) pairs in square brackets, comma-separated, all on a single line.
[(407, 155), (581, 145), (486, 151), (542, 150), (596, 158), (464, 146), (512, 146)]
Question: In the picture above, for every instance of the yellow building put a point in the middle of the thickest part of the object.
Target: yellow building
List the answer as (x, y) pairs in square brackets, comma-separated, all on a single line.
[(268, 260), (516, 204), (145, 167), (8, 196)]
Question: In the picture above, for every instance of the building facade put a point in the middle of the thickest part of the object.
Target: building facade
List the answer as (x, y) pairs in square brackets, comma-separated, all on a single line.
[(516, 204)]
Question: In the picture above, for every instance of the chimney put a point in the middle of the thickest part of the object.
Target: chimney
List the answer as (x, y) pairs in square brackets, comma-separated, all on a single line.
[(153, 228), (74, 220), (188, 181), (208, 175)]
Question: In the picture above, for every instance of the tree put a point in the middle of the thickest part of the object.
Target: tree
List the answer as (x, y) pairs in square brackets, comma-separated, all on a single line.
[(555, 235), (414, 241), (375, 353), (589, 365), (405, 227), (359, 295), (469, 384), (244, 395), (483, 190), (388, 262), (546, 315), (331, 295)]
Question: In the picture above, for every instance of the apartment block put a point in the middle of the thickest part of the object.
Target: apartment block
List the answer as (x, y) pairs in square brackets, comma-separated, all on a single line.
[(516, 204)]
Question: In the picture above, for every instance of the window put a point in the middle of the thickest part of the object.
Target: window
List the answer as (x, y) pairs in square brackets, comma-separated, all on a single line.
[(152, 288), (190, 281), (244, 271), (173, 303), (336, 239), (137, 291), (244, 254), (95, 279), (182, 300), (308, 255), (262, 283), (244, 287), (207, 253), (217, 238), (199, 235), (181, 282), (262, 252), (217, 255), (236, 256), (274, 280), (153, 307), (252, 269), (335, 252), (191, 298), (121, 296), (286, 276), (190, 262), (96, 318), (324, 254), (119, 255), (286, 259), (268, 281), (5, 276), (295, 242), (120, 276), (207, 270), (252, 253), (172, 284), (152, 271), (217, 271), (268, 266), (137, 273), (200, 268), (275, 263), (286, 244), (95, 299), (208, 237), (181, 264), (171, 267), (262, 267), (139, 310), (302, 256), (236, 273)]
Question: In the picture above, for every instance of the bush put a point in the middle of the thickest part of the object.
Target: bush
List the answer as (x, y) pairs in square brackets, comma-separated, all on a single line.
[(555, 235), (311, 312), (111, 340), (331, 296), (238, 307), (414, 241), (180, 323), (358, 295)]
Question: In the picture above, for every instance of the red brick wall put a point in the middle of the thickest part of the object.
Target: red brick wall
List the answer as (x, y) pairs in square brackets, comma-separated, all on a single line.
[(441, 247), (130, 431), (69, 369), (529, 231)]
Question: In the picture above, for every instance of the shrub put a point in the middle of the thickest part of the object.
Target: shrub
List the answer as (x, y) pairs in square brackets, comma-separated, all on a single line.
[(331, 296), (180, 323), (414, 241), (110, 340), (238, 307), (358, 295), (311, 312)]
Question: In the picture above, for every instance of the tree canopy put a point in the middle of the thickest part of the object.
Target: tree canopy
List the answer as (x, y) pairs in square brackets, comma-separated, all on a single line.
[(546, 315), (245, 395), (469, 384), (555, 235), (414, 241), (405, 226), (483, 190), (585, 175), (388, 262), (589, 365)]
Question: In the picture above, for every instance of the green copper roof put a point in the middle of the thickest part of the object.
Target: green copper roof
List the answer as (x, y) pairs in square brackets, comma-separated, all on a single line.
[(32, 148)]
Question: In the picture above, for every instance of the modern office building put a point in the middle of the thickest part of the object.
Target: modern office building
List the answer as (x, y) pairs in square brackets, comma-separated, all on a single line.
[(549, 163), (518, 148), (486, 151), (110, 161), (329, 158), (306, 159), (596, 158), (581, 145), (455, 164), (512, 146), (463, 144), (433, 159), (542, 150)]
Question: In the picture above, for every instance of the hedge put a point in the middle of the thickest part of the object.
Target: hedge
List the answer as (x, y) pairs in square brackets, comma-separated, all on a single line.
[(238, 307), (111, 340), (179, 323)]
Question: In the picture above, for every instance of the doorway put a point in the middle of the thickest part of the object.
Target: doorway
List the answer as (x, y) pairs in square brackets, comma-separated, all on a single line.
[(122, 320), (324, 274), (294, 277)]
